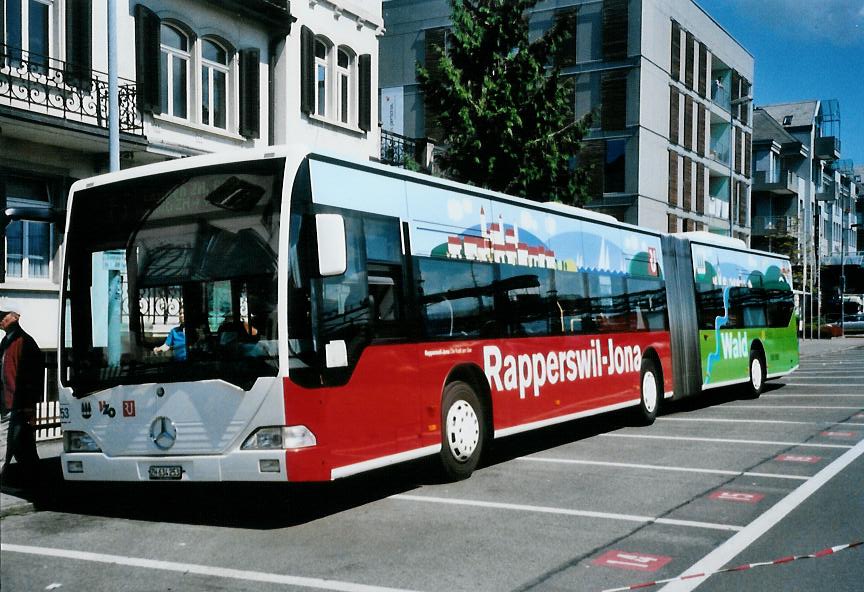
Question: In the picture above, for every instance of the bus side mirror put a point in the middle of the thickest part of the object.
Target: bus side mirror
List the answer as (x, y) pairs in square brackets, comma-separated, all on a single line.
[(332, 246)]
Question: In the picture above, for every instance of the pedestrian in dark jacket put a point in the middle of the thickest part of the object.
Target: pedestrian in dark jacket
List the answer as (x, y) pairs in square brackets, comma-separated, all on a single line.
[(22, 379)]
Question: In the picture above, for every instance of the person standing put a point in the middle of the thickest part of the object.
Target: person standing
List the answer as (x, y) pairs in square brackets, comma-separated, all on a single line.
[(22, 377)]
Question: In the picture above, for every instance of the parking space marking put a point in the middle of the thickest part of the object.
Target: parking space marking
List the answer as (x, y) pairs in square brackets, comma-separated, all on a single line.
[(821, 384), (726, 440), (725, 495), (798, 458), (661, 468), (727, 551), (811, 395), (731, 420), (201, 570), (821, 407), (632, 561), (563, 511)]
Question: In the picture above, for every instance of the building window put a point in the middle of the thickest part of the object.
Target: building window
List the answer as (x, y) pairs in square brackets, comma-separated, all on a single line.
[(28, 243), (214, 84), (322, 54), (614, 170), (28, 32), (175, 67), (344, 65)]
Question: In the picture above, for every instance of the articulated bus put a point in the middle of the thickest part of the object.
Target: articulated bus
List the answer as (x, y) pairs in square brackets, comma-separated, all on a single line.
[(286, 316)]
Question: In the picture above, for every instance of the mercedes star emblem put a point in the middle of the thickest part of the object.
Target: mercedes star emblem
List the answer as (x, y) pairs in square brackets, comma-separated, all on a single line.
[(163, 433)]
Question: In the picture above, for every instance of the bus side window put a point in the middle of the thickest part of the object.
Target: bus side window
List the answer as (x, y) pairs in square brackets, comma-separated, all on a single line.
[(385, 276)]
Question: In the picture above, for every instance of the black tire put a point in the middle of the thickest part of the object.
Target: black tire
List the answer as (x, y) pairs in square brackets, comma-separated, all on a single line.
[(758, 374), (463, 430), (650, 392)]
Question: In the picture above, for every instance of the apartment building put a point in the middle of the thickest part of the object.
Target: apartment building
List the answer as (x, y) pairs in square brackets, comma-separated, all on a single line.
[(669, 87), (804, 194), (195, 76)]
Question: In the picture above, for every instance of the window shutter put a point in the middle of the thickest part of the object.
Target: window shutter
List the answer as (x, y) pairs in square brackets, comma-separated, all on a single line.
[(748, 154), (676, 51), (307, 70), (672, 225), (700, 130), (79, 44), (250, 92), (364, 66), (615, 29), (147, 60), (673, 115), (673, 178), (703, 70), (688, 122), (687, 193), (613, 93), (689, 51), (700, 188)]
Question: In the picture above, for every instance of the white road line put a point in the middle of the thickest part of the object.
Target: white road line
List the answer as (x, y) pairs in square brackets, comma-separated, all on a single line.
[(854, 396), (723, 554), (203, 570), (768, 421), (724, 440), (822, 384), (724, 420), (569, 461), (819, 407), (562, 511)]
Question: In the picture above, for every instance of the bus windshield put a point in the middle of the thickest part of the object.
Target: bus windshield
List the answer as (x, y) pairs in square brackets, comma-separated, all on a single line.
[(173, 278)]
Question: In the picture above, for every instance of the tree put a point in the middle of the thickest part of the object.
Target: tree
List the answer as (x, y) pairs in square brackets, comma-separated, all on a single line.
[(505, 112)]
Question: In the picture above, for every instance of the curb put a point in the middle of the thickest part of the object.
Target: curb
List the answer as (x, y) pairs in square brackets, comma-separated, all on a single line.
[(14, 506)]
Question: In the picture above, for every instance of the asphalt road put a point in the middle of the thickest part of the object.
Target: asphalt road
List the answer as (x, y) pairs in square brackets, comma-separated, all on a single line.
[(590, 505)]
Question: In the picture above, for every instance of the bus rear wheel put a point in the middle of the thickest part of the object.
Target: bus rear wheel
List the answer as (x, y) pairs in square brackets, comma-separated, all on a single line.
[(463, 430), (651, 391), (757, 374)]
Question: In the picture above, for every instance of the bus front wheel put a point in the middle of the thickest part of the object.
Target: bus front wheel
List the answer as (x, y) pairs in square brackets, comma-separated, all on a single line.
[(463, 430), (651, 391), (757, 374)]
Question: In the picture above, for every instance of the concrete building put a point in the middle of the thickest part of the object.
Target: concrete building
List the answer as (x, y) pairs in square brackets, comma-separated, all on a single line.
[(670, 87), (804, 194), (195, 76)]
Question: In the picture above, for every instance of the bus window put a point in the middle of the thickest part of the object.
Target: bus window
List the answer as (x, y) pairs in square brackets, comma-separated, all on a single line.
[(779, 307), (647, 305), (522, 300), (609, 306), (573, 306), (457, 298), (344, 314)]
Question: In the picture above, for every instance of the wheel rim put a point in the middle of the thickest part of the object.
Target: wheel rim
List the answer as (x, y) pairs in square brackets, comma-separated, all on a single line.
[(756, 374), (649, 392), (463, 430)]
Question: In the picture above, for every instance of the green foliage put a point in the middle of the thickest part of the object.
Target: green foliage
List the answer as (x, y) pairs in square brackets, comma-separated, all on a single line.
[(505, 112)]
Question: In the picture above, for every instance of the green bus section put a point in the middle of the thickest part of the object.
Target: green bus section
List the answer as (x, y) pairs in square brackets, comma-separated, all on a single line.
[(745, 306)]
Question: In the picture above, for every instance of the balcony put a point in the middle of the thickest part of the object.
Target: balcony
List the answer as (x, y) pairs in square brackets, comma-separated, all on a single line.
[(44, 86), (774, 226), (828, 148), (784, 183), (827, 192), (412, 153)]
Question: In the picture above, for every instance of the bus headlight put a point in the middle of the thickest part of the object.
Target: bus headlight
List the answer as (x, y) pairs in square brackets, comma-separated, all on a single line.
[(280, 437), (79, 442)]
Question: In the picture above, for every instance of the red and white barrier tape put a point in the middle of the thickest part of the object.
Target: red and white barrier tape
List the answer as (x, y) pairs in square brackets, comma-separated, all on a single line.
[(782, 560)]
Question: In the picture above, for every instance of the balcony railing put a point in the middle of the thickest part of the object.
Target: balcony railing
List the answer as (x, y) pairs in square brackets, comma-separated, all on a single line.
[(397, 150), (785, 182), (774, 226), (43, 85)]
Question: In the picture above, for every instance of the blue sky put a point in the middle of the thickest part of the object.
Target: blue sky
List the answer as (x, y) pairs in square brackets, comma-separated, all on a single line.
[(804, 49)]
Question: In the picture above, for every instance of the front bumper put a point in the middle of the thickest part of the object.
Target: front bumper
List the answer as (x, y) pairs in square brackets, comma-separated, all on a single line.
[(242, 465)]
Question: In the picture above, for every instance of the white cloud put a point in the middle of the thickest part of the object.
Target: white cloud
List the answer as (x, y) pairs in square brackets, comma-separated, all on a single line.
[(527, 221), (551, 225), (457, 208)]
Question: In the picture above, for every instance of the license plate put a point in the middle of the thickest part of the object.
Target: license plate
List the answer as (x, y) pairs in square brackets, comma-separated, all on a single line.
[(166, 473)]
